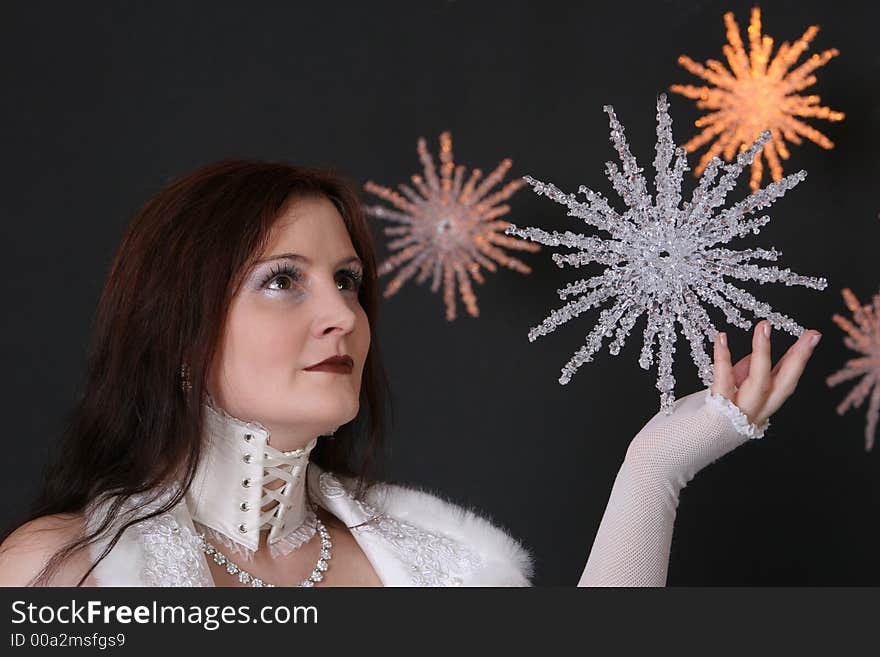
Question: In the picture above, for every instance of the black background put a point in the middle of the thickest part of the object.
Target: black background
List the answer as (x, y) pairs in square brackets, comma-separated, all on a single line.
[(102, 104)]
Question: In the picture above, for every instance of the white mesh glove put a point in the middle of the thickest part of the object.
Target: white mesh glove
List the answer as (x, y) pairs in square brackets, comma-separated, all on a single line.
[(632, 545)]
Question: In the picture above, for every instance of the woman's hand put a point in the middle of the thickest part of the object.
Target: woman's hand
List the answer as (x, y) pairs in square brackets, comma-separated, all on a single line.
[(756, 389)]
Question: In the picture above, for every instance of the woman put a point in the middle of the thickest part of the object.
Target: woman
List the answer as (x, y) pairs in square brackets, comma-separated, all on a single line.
[(233, 405)]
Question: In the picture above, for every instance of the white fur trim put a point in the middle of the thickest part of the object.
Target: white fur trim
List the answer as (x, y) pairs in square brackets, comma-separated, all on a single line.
[(506, 561)]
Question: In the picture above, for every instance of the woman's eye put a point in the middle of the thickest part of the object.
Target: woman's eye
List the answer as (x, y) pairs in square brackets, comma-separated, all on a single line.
[(284, 282), (284, 278), (349, 280)]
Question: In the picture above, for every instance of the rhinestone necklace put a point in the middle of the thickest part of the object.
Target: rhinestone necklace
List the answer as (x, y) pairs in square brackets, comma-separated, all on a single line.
[(246, 578)]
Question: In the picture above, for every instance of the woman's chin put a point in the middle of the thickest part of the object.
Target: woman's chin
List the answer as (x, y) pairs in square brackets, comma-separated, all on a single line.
[(334, 416)]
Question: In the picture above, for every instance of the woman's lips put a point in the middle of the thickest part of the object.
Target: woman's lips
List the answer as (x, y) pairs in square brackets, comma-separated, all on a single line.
[(336, 368), (334, 364)]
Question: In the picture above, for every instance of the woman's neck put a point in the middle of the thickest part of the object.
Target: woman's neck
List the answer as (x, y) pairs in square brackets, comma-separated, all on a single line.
[(245, 490)]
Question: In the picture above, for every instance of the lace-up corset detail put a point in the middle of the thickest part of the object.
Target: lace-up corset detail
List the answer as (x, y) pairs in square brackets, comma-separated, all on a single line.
[(286, 466), (240, 474)]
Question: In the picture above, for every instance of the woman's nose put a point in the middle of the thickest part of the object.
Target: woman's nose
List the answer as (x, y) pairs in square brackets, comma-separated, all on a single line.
[(334, 310)]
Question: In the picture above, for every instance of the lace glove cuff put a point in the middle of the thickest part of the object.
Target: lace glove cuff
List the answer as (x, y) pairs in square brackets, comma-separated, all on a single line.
[(737, 417)]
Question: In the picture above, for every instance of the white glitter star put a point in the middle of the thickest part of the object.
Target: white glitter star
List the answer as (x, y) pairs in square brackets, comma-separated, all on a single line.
[(662, 258)]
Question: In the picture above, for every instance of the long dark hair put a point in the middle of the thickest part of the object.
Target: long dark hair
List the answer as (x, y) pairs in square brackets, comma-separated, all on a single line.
[(134, 429)]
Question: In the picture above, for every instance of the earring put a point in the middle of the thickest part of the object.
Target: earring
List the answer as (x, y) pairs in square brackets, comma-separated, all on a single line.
[(185, 383)]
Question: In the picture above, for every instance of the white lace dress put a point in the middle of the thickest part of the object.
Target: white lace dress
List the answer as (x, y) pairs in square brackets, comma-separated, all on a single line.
[(411, 537), (414, 538)]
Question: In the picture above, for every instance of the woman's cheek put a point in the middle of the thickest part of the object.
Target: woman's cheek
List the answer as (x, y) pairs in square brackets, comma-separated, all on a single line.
[(270, 338)]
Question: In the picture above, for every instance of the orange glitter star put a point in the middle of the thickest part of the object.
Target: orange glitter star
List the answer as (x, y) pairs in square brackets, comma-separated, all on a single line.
[(756, 94), (448, 227)]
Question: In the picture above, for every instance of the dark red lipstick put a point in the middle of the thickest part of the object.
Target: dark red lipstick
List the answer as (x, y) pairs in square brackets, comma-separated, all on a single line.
[(336, 364)]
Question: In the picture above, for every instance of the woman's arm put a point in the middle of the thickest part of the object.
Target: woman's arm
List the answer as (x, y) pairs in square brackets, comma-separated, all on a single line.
[(632, 544)]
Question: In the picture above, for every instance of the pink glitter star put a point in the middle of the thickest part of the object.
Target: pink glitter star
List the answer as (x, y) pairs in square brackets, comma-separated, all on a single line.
[(864, 339), (448, 227)]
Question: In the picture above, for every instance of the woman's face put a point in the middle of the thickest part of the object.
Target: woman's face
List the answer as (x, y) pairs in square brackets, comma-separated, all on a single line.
[(291, 313)]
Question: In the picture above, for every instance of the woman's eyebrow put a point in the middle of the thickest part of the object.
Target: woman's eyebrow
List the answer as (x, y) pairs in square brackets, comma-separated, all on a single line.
[(296, 256)]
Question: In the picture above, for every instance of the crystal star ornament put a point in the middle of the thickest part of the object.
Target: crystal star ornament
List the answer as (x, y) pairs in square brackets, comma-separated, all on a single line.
[(863, 338), (665, 257), (756, 93), (448, 227)]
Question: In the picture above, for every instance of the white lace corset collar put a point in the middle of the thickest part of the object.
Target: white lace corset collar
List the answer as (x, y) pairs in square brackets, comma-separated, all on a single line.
[(230, 486)]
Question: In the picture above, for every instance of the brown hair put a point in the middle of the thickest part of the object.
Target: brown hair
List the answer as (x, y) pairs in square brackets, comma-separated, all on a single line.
[(181, 261)]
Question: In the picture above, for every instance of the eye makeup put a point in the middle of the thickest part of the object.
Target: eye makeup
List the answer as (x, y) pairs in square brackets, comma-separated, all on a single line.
[(282, 271), (355, 276)]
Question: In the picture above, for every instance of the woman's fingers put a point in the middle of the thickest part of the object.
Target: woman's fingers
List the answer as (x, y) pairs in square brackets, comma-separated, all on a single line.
[(803, 342), (741, 370), (761, 390), (753, 392), (788, 370), (723, 379)]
